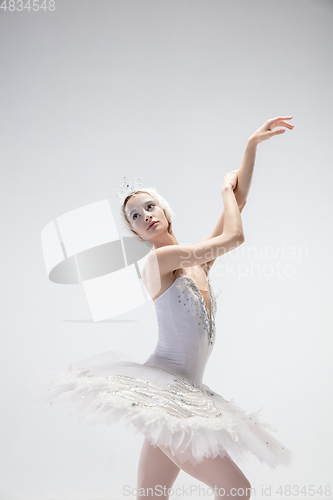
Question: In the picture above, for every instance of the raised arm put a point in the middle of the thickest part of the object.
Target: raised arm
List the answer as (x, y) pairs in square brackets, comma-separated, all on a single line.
[(168, 258), (245, 171), (244, 179)]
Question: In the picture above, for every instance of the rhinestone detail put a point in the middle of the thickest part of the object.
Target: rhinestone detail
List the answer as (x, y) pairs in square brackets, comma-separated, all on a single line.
[(209, 321), (180, 399)]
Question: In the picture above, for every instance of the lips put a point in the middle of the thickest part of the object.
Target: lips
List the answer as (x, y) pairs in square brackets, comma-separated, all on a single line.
[(153, 224)]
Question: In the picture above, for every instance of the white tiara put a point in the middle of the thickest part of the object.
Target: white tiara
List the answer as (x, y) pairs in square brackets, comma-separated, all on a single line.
[(128, 187)]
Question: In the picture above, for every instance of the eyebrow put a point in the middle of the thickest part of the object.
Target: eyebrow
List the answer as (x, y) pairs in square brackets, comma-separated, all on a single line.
[(149, 201)]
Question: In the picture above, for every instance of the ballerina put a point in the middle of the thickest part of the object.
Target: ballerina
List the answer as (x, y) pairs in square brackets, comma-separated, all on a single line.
[(186, 425)]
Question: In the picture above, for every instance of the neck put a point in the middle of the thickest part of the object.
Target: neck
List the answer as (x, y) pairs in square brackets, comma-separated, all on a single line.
[(164, 239)]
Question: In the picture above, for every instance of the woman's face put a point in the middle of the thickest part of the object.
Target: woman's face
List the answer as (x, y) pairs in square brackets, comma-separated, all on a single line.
[(141, 210)]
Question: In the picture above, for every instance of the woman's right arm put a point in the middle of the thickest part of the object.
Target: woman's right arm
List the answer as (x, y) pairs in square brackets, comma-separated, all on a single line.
[(166, 259)]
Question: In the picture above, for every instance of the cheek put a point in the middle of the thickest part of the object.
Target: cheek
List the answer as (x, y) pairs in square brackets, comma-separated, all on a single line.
[(137, 223)]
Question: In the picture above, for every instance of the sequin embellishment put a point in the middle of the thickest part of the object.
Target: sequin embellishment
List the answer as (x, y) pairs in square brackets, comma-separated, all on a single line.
[(209, 321), (179, 399)]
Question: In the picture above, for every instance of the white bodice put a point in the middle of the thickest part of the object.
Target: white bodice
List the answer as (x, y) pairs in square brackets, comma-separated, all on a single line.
[(186, 333)]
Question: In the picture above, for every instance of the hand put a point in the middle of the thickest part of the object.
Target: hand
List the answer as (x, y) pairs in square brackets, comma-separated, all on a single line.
[(230, 180), (266, 131)]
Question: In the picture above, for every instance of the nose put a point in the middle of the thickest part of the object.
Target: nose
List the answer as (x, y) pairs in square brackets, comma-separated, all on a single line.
[(147, 216)]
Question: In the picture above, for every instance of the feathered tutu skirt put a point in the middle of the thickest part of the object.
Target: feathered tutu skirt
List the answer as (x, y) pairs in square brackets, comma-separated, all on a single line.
[(193, 422)]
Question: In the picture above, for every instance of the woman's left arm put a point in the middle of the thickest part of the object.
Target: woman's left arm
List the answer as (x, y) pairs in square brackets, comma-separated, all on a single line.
[(245, 171)]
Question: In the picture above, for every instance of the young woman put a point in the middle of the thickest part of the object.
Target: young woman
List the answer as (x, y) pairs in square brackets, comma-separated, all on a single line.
[(187, 426)]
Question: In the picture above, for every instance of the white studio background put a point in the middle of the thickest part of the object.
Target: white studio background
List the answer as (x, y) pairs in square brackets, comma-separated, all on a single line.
[(168, 91)]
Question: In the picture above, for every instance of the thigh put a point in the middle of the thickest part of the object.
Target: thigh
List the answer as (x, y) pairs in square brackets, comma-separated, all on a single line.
[(216, 473), (155, 468)]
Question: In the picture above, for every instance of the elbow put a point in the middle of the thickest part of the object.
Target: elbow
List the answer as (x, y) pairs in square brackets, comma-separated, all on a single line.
[(239, 238), (236, 238)]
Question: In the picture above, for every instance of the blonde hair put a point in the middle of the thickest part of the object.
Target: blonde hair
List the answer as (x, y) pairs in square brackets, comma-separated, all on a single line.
[(162, 203)]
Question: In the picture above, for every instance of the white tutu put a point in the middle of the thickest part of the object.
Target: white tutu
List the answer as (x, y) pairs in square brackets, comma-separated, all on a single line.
[(194, 422)]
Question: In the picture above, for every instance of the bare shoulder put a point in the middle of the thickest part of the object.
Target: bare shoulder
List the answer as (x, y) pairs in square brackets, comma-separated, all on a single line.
[(163, 261), (154, 282)]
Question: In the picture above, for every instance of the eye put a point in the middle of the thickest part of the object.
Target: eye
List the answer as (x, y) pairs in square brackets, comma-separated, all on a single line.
[(150, 205)]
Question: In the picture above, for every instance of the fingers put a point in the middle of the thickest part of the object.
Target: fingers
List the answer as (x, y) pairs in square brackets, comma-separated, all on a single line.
[(280, 120), (288, 125), (277, 132)]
